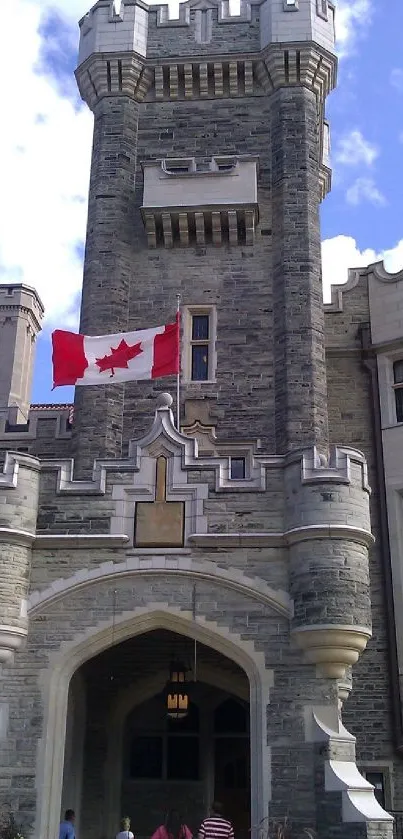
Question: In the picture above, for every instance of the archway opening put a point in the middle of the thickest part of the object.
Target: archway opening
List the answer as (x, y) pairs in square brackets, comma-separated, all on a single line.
[(125, 756)]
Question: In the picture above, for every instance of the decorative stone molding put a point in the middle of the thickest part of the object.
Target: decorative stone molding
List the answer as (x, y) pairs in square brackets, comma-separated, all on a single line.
[(114, 74), (78, 542), (332, 648), (342, 776), (289, 537), (169, 565), (337, 469), (11, 638), (12, 463), (11, 536)]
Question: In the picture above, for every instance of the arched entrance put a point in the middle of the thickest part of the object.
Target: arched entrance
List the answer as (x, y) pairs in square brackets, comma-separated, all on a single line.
[(105, 637), (136, 759)]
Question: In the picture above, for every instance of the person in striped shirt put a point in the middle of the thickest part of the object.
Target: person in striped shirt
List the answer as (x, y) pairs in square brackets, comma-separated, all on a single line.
[(215, 826)]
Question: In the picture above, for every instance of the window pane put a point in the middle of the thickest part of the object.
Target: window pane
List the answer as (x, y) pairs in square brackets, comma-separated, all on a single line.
[(398, 371), (237, 468), (200, 362), (399, 403), (200, 327), (183, 758), (146, 757)]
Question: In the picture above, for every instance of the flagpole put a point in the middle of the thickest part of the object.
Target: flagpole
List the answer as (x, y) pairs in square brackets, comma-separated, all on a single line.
[(178, 375)]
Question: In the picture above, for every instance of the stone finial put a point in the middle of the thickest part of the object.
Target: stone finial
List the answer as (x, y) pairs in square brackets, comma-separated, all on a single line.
[(164, 401)]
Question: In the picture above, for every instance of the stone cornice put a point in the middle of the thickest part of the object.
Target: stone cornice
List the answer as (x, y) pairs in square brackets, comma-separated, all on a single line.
[(71, 541), (60, 541), (278, 65), (113, 74), (277, 540)]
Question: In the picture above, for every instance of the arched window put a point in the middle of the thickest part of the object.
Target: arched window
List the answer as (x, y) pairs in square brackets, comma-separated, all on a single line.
[(161, 748)]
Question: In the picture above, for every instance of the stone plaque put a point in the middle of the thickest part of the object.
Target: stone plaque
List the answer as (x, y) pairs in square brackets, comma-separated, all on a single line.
[(160, 524)]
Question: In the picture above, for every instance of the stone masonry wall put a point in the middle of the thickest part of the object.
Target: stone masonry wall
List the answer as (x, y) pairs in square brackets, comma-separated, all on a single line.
[(367, 713), (237, 280)]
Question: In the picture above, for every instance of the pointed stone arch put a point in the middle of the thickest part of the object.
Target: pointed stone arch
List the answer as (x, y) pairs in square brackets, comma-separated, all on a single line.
[(71, 655)]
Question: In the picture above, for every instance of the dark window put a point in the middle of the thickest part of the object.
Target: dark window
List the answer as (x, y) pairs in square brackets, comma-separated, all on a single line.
[(237, 468), (183, 758), (378, 782), (398, 379), (230, 717), (146, 757), (200, 327), (199, 362)]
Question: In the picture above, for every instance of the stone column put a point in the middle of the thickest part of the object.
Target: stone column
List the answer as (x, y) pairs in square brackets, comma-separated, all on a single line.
[(296, 183), (19, 491), (112, 86)]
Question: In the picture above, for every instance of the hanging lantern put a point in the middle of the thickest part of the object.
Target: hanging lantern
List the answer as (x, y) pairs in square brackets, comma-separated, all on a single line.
[(177, 692)]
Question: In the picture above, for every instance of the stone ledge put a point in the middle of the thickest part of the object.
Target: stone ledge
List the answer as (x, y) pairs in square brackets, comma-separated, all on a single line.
[(11, 536), (332, 647), (74, 541), (278, 540), (11, 638)]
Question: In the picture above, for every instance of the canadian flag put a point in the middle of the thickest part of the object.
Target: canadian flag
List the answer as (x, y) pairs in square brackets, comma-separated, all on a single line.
[(104, 359)]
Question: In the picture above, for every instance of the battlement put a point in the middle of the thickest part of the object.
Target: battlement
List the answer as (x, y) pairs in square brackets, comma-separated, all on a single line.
[(203, 26), (21, 313)]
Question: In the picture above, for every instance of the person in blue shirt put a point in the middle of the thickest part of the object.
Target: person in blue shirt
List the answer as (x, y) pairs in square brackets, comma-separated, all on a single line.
[(67, 830)]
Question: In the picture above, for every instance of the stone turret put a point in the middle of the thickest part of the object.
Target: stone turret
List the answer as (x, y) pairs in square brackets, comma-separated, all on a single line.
[(21, 313), (19, 490), (327, 514)]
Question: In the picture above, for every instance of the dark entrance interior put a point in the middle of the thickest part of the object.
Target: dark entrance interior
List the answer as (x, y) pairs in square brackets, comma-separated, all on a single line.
[(126, 756)]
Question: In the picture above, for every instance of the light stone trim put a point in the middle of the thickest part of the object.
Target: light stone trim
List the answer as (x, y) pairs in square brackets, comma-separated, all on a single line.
[(166, 566), (62, 664), (332, 647), (113, 74), (315, 469), (12, 463), (85, 541), (269, 539), (323, 725), (182, 450), (11, 536), (11, 638)]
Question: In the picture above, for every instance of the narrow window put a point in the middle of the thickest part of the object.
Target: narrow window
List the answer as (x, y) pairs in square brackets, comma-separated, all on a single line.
[(198, 345), (237, 468), (200, 348), (398, 388)]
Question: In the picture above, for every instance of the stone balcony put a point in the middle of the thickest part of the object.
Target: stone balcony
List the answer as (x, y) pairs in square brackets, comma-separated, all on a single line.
[(185, 204)]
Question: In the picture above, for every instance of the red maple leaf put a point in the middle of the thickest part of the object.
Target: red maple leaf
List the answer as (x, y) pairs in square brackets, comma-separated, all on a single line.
[(118, 357)]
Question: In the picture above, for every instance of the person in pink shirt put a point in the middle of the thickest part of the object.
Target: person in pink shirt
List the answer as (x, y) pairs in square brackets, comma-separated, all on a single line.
[(173, 828)]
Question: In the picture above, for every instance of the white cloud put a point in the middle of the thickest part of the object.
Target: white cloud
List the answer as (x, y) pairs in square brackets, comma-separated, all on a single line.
[(342, 252), (365, 190), (396, 79), (44, 171), (353, 17), (353, 149)]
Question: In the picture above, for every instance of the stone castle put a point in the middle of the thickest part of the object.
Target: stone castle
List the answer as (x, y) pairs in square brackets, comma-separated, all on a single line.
[(234, 549)]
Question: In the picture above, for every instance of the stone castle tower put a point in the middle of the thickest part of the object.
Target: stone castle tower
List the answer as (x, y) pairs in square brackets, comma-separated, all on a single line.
[(238, 542)]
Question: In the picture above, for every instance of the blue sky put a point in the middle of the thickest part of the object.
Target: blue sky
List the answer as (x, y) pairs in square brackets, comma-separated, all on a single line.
[(45, 156)]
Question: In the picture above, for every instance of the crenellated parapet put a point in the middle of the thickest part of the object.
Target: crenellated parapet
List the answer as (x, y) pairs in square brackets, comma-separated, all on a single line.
[(19, 492), (139, 51)]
